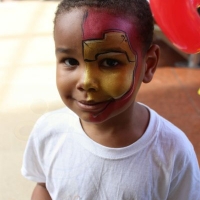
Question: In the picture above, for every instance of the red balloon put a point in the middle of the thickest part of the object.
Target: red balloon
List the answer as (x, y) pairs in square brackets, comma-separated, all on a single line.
[(180, 22)]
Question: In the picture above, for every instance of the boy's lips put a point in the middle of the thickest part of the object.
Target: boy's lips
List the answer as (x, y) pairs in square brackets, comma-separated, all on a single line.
[(92, 106)]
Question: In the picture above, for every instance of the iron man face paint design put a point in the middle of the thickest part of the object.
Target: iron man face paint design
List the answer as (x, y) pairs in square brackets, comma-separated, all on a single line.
[(110, 64)]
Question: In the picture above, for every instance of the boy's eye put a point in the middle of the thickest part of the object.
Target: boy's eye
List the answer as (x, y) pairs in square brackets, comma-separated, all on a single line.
[(110, 63), (71, 62)]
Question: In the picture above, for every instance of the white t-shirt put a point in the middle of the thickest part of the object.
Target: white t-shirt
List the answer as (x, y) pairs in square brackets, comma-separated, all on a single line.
[(161, 165)]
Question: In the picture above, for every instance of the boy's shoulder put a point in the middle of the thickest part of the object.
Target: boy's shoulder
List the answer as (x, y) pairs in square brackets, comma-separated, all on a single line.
[(169, 138), (163, 126), (57, 121), (57, 116)]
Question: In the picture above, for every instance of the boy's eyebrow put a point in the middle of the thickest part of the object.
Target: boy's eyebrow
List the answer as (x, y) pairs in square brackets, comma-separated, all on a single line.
[(63, 50)]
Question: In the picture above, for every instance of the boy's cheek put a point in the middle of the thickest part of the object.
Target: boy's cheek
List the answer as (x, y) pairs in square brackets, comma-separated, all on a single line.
[(111, 84), (117, 87)]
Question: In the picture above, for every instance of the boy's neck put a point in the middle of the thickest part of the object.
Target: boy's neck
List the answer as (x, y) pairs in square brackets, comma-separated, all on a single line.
[(120, 131)]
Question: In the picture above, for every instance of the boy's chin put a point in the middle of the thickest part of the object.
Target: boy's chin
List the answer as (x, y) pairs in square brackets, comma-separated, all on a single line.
[(106, 115)]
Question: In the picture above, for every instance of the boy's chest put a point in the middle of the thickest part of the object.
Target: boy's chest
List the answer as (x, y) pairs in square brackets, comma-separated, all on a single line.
[(82, 175)]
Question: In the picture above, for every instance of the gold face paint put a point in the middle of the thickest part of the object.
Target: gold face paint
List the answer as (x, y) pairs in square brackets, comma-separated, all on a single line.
[(110, 64)]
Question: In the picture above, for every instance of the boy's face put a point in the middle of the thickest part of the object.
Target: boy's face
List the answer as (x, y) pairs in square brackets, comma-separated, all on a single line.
[(97, 58)]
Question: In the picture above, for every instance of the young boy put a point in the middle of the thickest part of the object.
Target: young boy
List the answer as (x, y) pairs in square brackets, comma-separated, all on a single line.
[(104, 145)]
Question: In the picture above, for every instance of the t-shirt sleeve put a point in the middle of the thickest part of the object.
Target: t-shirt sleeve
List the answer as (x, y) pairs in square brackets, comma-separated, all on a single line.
[(32, 160), (185, 184)]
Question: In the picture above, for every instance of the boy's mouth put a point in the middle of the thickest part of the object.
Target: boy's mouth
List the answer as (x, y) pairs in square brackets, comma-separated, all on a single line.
[(92, 106)]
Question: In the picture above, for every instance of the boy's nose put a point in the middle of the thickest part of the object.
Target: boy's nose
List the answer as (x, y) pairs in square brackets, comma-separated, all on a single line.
[(88, 81)]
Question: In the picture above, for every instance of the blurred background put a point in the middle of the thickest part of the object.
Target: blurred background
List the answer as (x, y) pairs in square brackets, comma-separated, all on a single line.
[(28, 89)]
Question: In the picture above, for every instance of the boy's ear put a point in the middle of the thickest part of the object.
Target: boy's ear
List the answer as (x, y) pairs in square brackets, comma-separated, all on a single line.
[(151, 62)]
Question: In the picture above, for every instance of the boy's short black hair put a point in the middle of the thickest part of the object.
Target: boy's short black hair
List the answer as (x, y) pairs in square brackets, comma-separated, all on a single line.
[(138, 10)]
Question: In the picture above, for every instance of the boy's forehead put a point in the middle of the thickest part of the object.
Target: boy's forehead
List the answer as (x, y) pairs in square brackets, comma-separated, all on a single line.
[(94, 24), (97, 22)]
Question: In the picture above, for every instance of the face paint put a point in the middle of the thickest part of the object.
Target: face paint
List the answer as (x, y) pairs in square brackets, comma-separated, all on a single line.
[(113, 47), (112, 42), (107, 40)]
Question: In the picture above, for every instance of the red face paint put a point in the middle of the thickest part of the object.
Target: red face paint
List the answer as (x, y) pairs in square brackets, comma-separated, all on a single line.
[(97, 23)]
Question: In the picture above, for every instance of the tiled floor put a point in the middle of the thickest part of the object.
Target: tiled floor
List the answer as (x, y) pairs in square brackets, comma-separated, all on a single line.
[(27, 89)]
